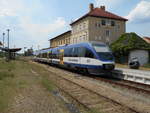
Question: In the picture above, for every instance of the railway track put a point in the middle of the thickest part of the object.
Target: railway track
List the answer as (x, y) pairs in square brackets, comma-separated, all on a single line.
[(138, 87), (90, 99)]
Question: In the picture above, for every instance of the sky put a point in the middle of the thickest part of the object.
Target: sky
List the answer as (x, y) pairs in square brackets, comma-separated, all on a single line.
[(33, 22)]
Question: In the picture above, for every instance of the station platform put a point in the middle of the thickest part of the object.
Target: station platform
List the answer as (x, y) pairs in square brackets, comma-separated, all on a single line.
[(139, 76)]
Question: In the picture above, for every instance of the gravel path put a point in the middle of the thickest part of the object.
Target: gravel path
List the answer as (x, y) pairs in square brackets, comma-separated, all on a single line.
[(36, 100)]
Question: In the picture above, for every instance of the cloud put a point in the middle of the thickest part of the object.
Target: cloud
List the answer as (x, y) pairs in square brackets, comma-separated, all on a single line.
[(141, 13), (33, 29), (108, 3), (27, 24), (38, 33), (10, 7)]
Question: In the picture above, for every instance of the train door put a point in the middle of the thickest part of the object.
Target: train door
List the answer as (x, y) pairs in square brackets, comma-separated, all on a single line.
[(61, 55), (78, 56), (81, 55), (49, 57)]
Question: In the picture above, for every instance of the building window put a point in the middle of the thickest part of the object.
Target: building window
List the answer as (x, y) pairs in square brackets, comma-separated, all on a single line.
[(112, 23), (100, 37), (96, 24), (64, 41), (107, 39), (80, 39), (80, 27), (99, 25), (107, 33), (103, 22), (95, 38), (84, 25)]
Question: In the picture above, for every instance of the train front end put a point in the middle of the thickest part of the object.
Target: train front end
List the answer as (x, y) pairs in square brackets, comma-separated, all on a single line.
[(104, 56)]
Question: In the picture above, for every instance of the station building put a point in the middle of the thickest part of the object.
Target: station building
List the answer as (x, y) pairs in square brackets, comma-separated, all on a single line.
[(97, 25), (61, 39)]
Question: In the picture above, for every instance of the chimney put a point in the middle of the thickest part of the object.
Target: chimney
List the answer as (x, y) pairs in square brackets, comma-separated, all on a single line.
[(91, 6), (102, 7)]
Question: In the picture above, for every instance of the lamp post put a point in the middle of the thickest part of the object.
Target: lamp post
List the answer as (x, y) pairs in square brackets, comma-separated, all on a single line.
[(25, 51), (8, 37), (8, 44), (3, 40)]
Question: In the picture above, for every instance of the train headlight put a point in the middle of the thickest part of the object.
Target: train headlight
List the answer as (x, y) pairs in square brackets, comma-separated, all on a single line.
[(108, 66)]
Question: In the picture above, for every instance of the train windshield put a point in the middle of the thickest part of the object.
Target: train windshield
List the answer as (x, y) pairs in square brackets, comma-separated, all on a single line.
[(101, 48), (103, 51), (105, 55)]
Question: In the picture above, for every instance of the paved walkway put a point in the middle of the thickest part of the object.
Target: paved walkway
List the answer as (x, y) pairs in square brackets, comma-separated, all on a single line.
[(134, 71)]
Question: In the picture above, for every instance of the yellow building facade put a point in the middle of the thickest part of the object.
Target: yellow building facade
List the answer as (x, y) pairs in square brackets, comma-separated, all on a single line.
[(61, 39)]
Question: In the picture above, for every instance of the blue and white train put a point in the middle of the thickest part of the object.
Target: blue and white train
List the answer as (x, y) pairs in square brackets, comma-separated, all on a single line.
[(92, 57)]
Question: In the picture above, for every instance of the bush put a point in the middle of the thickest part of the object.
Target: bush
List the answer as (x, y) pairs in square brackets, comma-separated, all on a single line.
[(127, 42), (2, 54)]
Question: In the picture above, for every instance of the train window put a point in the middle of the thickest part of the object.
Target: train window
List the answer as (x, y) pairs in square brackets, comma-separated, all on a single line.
[(54, 54), (41, 55), (66, 53), (44, 55), (81, 52), (88, 53), (70, 51), (50, 54), (84, 52), (57, 54), (75, 52)]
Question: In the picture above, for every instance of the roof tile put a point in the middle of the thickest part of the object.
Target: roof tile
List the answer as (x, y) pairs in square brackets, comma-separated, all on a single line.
[(98, 12)]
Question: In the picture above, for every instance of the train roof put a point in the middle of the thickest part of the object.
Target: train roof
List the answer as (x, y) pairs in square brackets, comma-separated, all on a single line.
[(83, 44)]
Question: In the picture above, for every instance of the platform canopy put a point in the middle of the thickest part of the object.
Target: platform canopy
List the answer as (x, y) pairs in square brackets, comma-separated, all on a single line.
[(11, 49)]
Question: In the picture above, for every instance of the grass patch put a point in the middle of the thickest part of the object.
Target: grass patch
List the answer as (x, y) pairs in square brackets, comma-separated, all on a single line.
[(147, 65), (121, 65), (5, 74), (7, 65), (48, 84), (7, 91), (95, 111), (14, 77), (17, 75)]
